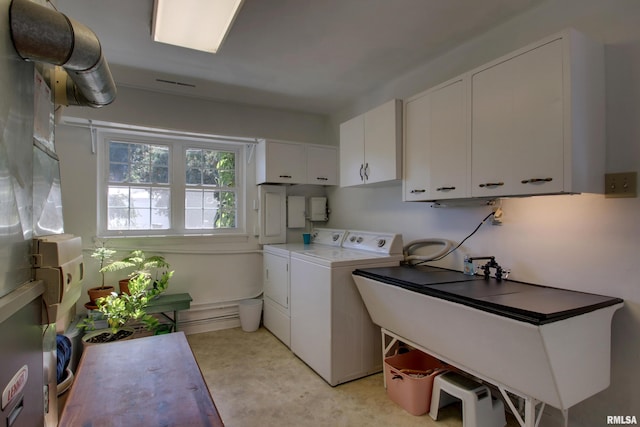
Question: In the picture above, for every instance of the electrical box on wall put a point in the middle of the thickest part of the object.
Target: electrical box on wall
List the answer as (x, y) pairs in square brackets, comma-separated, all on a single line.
[(319, 209), (295, 211), (620, 184)]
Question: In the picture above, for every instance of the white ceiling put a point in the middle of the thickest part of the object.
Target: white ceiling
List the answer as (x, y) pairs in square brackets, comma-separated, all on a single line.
[(308, 55)]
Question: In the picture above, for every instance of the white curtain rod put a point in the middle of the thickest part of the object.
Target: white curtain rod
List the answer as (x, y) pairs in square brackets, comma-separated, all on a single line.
[(97, 124)]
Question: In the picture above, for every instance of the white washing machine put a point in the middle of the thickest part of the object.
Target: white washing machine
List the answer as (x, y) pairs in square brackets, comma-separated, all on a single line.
[(331, 330), (276, 279)]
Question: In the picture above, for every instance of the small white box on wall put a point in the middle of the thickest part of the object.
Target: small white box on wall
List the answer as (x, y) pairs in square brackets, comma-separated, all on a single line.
[(319, 209), (295, 212)]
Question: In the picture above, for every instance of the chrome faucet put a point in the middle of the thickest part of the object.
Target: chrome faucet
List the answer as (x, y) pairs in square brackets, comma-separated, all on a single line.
[(490, 264)]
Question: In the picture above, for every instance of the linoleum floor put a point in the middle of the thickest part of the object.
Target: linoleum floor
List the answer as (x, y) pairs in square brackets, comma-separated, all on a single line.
[(256, 381)]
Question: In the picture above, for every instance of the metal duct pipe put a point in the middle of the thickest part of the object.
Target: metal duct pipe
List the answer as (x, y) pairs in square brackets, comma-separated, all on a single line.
[(45, 35)]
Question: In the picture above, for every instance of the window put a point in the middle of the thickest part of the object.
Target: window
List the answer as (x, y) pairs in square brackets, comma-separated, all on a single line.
[(161, 184), (210, 196)]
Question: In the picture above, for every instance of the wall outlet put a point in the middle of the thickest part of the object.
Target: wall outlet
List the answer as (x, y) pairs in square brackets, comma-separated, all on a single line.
[(497, 216), (621, 184)]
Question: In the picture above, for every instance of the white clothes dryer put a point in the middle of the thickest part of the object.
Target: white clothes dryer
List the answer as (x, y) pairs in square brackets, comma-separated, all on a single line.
[(331, 330), (276, 279)]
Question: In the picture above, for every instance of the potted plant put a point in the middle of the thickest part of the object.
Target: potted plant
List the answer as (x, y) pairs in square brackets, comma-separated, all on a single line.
[(102, 254), (140, 263), (122, 309)]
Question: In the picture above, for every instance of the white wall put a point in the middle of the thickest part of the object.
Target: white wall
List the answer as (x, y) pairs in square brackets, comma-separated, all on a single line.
[(216, 271), (582, 242)]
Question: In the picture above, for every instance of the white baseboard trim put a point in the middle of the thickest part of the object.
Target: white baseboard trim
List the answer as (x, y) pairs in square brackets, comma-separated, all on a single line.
[(210, 325), (208, 318)]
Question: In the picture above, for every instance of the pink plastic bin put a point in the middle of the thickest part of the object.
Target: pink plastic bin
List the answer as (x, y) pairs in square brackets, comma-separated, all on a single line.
[(413, 394)]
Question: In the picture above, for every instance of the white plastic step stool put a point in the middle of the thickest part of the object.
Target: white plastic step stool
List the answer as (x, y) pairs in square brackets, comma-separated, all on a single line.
[(479, 409)]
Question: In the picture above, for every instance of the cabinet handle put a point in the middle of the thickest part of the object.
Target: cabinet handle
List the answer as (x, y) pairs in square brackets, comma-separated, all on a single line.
[(366, 171), (491, 184), (361, 174), (322, 178), (445, 188), (536, 180), (285, 176), (418, 191)]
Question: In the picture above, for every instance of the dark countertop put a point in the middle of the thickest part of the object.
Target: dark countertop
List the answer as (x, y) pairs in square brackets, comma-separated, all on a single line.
[(526, 302)]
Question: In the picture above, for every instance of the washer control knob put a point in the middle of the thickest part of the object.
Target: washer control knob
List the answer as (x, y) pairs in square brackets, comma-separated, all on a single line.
[(335, 237), (352, 239), (381, 243), (360, 239)]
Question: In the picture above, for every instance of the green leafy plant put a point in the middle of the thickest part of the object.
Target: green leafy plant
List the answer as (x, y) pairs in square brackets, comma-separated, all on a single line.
[(121, 309), (148, 279), (102, 254), (140, 263)]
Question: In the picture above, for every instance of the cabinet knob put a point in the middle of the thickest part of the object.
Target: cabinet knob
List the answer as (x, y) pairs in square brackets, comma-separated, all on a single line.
[(445, 188), (286, 176), (491, 184), (536, 180), (322, 178), (418, 191)]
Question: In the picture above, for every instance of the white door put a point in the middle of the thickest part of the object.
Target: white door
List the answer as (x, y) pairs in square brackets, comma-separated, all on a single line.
[(311, 315), (276, 278), (517, 127), (273, 214), (382, 158), (322, 165), (436, 145), (352, 152), (286, 163)]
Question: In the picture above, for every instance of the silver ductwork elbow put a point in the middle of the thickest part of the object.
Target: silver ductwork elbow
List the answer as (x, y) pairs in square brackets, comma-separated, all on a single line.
[(45, 35)]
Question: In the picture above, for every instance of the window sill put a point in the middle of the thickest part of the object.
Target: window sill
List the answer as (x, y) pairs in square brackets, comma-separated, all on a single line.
[(223, 243)]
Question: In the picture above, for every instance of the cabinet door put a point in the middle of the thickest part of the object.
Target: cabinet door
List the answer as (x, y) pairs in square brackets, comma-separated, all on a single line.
[(322, 165), (517, 124), (285, 163), (272, 215), (417, 150), (352, 152), (383, 142), (436, 145), (276, 279)]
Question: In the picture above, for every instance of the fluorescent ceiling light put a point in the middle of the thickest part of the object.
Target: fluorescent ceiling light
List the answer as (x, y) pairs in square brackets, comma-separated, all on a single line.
[(195, 24)]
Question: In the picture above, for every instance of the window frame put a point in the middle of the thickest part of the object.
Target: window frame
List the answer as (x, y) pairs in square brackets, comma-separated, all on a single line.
[(178, 143)]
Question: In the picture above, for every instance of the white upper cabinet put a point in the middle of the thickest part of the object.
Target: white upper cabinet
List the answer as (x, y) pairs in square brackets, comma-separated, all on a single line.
[(296, 163), (436, 144), (537, 120), (371, 146), (281, 162), (531, 122), (322, 165)]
